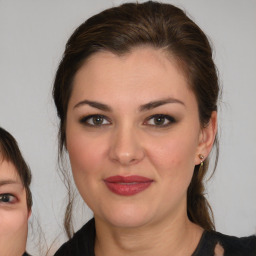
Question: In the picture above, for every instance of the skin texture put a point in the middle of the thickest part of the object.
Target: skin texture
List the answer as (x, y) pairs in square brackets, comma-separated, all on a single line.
[(13, 213), (219, 250), (128, 142)]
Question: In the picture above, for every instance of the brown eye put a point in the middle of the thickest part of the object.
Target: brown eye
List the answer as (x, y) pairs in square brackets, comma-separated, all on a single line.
[(160, 120), (95, 120)]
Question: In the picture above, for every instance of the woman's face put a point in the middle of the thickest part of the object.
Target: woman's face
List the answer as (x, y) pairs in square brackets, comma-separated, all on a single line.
[(13, 211), (133, 137)]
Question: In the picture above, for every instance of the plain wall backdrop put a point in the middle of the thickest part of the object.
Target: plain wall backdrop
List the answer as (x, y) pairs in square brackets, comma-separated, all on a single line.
[(32, 39)]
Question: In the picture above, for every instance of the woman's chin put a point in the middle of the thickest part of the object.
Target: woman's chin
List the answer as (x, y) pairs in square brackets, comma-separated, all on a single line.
[(127, 222), (127, 217)]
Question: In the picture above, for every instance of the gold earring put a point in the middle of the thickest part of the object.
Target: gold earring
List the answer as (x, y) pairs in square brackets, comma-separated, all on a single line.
[(201, 157)]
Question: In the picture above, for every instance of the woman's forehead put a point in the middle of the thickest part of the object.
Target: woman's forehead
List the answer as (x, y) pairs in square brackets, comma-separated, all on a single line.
[(8, 172), (144, 74)]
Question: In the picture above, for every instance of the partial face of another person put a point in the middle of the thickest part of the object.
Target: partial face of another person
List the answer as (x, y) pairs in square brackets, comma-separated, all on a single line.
[(13, 211), (133, 136)]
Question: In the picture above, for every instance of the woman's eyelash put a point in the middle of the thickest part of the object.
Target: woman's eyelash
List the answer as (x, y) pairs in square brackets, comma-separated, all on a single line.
[(160, 120), (157, 120), (7, 198), (95, 120)]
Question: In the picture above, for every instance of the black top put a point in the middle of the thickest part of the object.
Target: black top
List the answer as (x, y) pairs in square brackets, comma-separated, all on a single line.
[(82, 244)]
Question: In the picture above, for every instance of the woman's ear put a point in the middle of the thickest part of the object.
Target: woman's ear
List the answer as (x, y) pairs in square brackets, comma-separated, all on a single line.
[(206, 138)]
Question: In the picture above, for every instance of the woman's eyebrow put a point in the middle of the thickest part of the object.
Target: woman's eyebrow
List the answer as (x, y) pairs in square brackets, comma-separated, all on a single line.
[(94, 104), (157, 103), (144, 107), (7, 182)]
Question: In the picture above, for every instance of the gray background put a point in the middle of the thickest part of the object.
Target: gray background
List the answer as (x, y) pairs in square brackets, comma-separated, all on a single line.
[(32, 39)]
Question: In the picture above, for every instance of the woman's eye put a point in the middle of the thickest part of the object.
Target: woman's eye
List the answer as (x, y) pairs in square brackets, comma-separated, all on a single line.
[(160, 120), (95, 120), (7, 198)]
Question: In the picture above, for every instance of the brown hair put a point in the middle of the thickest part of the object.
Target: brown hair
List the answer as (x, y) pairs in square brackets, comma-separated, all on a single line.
[(161, 26), (9, 151)]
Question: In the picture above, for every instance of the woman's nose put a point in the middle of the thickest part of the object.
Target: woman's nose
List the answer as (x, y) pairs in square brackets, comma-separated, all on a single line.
[(126, 147)]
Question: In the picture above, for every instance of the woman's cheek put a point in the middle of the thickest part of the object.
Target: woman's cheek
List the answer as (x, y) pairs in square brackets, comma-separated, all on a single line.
[(12, 221), (167, 153), (13, 231), (173, 158), (85, 153)]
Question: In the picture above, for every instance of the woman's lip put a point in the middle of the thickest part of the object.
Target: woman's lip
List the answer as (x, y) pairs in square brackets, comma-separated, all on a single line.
[(127, 186), (127, 179)]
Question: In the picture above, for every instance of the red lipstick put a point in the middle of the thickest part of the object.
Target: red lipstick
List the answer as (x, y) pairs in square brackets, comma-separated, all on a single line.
[(127, 186)]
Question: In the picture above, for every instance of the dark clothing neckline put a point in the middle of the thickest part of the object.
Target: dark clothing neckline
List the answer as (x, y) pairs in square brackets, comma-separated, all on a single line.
[(206, 243), (82, 243)]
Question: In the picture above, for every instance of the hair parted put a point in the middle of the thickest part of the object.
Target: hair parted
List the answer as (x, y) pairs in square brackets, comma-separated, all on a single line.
[(9, 151), (161, 26)]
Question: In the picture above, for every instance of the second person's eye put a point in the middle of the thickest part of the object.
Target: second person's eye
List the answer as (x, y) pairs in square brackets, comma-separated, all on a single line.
[(7, 198), (95, 120)]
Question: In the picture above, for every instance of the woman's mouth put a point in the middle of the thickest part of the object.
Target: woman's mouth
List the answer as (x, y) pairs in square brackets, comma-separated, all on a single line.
[(127, 186)]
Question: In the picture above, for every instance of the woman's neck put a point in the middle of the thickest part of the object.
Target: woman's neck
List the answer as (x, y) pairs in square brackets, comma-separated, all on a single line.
[(178, 237)]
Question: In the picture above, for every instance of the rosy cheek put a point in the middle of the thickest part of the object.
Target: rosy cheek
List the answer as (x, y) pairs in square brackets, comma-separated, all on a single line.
[(12, 221), (165, 151), (79, 153), (13, 231), (172, 157), (85, 153)]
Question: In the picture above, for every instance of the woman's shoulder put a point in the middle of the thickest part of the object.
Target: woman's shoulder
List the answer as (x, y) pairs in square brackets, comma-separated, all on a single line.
[(237, 245), (220, 244), (82, 243)]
